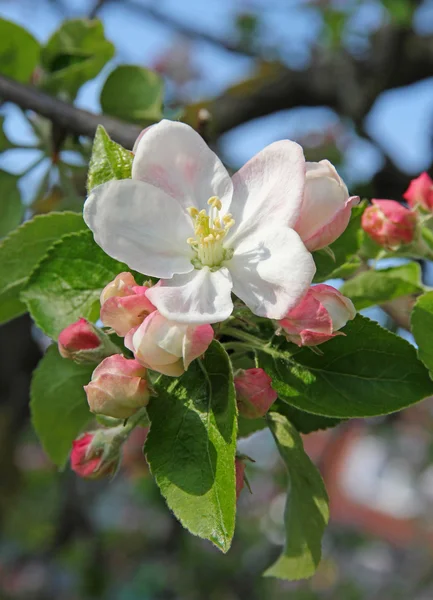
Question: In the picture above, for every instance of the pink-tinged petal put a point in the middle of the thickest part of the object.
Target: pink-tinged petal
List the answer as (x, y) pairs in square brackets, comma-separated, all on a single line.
[(175, 158), (140, 225), (314, 338), (122, 285), (389, 223), (420, 191), (196, 342), (119, 365), (339, 308), (201, 296), (309, 314), (271, 271), (268, 188), (332, 229)]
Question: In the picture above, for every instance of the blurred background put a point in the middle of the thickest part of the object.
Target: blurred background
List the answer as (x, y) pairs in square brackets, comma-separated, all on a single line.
[(352, 81)]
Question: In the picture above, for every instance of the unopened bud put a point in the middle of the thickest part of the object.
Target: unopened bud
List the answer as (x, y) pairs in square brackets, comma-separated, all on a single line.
[(254, 393), (420, 192), (87, 456), (118, 387), (84, 343), (389, 223)]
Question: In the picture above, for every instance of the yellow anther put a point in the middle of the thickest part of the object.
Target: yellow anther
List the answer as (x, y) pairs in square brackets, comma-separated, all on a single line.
[(192, 211), (203, 213), (215, 202), (191, 241), (227, 218), (208, 238), (217, 223), (229, 224)]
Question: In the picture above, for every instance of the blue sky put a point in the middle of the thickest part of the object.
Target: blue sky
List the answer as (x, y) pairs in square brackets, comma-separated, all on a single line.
[(401, 120)]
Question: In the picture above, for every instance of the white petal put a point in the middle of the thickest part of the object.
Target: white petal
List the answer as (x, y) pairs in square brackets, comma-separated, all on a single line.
[(271, 271), (201, 296), (175, 158), (269, 187), (140, 225)]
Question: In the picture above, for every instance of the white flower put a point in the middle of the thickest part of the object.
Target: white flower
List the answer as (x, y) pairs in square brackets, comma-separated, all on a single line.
[(183, 219)]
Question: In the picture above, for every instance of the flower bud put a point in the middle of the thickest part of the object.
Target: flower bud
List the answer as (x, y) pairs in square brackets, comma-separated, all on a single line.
[(166, 346), (84, 343), (318, 316), (87, 457), (420, 192), (254, 393), (326, 206), (389, 223), (124, 304), (240, 476), (118, 387)]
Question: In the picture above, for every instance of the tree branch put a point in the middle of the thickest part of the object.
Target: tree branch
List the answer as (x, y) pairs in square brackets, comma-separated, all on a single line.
[(66, 116)]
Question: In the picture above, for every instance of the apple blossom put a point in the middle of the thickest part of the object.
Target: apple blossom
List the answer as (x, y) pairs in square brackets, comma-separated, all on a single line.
[(420, 192), (87, 457), (326, 206), (118, 387), (254, 393), (166, 346), (124, 304), (181, 218), (83, 342), (318, 317), (389, 223)]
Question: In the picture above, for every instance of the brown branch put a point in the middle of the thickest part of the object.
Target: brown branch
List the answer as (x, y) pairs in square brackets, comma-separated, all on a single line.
[(66, 116)]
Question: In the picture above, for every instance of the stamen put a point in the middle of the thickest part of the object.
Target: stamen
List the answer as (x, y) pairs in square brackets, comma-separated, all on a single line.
[(192, 211)]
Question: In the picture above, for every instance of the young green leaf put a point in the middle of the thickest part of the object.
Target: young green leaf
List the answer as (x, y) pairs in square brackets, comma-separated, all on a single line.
[(375, 287), (58, 403), (192, 444), (303, 421), (11, 209), (109, 160), (21, 251), (19, 51), (67, 283), (422, 328), (307, 511), (367, 372), (344, 260), (74, 54), (141, 94)]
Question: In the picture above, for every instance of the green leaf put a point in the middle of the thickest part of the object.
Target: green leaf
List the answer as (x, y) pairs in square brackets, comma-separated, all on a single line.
[(369, 371), (307, 511), (345, 250), (58, 403), (422, 328), (21, 251), (109, 160), (19, 51), (67, 283), (74, 54), (247, 427), (11, 209), (376, 287), (141, 94), (192, 444), (303, 421)]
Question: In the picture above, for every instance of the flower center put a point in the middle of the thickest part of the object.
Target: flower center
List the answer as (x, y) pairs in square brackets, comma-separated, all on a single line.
[(210, 231)]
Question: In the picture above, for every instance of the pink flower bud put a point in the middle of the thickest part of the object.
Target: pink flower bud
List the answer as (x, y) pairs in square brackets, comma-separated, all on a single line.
[(240, 476), (118, 387), (87, 457), (254, 393), (389, 223), (124, 304), (166, 346), (318, 316), (83, 342), (326, 206), (420, 191)]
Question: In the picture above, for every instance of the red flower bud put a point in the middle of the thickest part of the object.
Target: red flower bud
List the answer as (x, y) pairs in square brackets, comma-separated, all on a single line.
[(254, 393), (420, 192), (78, 336), (87, 458), (118, 387), (389, 223)]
